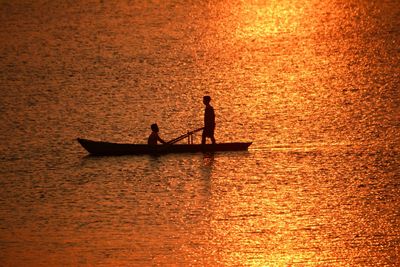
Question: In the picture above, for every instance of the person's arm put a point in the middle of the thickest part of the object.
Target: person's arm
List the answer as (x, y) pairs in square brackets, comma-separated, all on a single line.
[(161, 141), (213, 116)]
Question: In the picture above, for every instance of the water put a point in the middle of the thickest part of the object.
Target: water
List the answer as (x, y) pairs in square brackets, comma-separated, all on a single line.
[(314, 85)]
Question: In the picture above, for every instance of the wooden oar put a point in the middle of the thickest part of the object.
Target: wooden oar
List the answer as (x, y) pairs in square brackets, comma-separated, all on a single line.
[(173, 141)]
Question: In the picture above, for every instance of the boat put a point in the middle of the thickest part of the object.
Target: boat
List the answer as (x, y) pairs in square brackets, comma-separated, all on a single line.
[(101, 148)]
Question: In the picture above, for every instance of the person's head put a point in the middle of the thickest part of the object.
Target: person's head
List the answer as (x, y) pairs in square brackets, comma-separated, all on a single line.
[(206, 99), (154, 127)]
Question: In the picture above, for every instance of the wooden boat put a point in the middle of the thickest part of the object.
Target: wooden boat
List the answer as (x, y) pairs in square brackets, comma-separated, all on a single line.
[(106, 148)]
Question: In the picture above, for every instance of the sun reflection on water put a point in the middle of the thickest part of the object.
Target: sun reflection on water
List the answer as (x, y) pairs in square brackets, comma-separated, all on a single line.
[(260, 19), (312, 83)]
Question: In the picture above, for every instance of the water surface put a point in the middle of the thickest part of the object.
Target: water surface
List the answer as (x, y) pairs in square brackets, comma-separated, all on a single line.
[(314, 85)]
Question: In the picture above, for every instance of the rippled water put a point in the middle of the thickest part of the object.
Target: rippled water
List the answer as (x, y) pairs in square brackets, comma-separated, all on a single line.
[(314, 85)]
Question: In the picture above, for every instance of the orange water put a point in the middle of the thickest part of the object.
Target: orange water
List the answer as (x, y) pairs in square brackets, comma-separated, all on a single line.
[(314, 85)]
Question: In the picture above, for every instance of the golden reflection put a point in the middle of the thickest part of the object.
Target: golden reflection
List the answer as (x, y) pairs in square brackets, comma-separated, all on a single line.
[(312, 83), (265, 18)]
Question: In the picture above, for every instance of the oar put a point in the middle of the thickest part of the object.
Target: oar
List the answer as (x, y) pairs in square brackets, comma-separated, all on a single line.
[(173, 141)]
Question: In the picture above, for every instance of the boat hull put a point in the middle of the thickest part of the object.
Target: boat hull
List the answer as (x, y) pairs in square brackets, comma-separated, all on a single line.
[(106, 148)]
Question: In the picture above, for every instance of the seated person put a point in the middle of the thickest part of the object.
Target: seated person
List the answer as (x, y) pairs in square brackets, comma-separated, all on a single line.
[(154, 138)]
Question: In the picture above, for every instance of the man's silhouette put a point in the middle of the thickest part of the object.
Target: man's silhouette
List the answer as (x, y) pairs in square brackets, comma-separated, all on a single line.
[(209, 121)]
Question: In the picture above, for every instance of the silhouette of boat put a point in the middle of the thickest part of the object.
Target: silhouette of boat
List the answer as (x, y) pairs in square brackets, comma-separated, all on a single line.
[(101, 148)]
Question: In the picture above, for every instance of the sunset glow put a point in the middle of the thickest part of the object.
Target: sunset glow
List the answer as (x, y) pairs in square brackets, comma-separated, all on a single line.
[(261, 19), (199, 133)]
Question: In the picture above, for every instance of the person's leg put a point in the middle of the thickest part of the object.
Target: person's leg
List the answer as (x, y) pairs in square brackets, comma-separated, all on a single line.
[(212, 136), (203, 139), (213, 140)]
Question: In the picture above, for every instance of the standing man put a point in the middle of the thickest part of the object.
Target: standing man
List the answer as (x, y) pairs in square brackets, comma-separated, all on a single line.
[(209, 121)]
